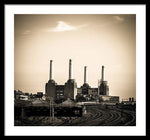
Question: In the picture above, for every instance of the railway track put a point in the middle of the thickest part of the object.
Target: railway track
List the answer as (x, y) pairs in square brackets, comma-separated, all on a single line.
[(34, 122), (96, 116), (102, 117), (113, 120), (91, 118), (131, 115), (132, 122)]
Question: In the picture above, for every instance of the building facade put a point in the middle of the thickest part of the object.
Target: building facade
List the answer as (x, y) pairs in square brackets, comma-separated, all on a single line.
[(69, 90), (61, 92)]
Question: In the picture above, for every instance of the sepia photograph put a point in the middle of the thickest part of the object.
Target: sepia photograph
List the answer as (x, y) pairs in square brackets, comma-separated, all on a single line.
[(75, 68)]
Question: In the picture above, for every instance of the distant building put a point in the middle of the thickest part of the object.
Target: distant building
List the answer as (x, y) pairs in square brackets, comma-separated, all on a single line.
[(103, 87), (87, 93), (85, 87), (39, 94), (27, 94), (50, 87), (90, 93), (16, 95), (79, 91), (19, 95), (93, 91), (128, 101), (70, 90), (61, 92), (110, 99), (23, 97)]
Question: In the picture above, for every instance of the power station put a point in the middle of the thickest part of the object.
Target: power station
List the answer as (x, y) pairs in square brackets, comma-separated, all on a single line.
[(60, 93), (103, 87)]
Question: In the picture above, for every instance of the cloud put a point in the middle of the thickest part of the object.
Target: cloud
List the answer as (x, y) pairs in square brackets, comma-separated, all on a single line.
[(118, 18), (111, 20), (63, 26)]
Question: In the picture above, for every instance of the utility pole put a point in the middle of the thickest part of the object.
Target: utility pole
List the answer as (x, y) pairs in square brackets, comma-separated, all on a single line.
[(98, 86), (51, 107), (22, 115), (49, 110), (53, 111)]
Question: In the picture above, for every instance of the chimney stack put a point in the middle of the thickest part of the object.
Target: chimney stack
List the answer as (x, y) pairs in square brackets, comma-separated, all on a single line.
[(85, 74), (51, 70), (132, 99), (102, 73), (70, 69)]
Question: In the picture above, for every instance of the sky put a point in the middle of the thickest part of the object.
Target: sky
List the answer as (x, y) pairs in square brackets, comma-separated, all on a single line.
[(90, 40)]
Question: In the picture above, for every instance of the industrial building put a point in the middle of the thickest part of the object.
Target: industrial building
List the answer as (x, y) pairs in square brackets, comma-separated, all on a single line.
[(50, 87), (112, 99), (85, 89), (87, 93), (103, 87), (61, 92), (128, 101)]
